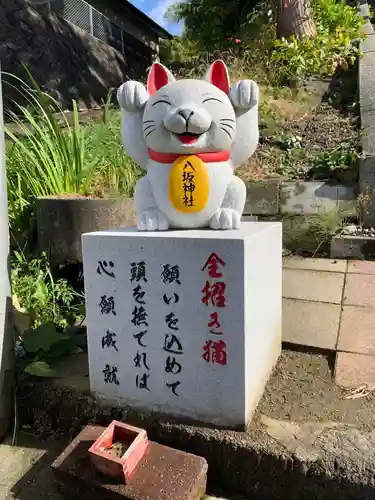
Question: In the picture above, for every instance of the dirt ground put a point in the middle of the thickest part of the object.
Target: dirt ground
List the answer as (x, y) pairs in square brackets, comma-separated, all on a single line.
[(305, 441), (297, 129), (301, 389)]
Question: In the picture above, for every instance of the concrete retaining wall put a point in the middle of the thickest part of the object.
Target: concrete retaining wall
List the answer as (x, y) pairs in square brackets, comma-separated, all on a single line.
[(65, 61), (352, 247), (300, 198)]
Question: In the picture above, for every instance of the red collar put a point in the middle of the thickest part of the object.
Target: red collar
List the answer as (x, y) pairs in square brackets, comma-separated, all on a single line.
[(206, 157)]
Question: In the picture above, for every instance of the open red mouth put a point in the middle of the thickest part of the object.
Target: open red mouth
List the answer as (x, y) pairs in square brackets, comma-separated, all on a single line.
[(188, 138)]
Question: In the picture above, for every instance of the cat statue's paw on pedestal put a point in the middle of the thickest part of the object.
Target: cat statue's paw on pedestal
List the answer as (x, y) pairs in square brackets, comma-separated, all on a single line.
[(226, 218), (152, 220), (190, 136)]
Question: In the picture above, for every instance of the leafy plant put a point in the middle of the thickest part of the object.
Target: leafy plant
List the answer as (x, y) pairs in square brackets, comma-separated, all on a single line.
[(288, 166), (291, 145), (211, 26), (336, 44), (331, 15), (209, 22), (299, 58), (312, 234), (326, 162), (338, 31), (107, 105), (49, 158), (41, 347), (39, 295), (180, 53), (116, 173), (236, 31), (287, 141)]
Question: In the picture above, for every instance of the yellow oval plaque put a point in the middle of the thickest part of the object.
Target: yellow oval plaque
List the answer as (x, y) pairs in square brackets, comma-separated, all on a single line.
[(189, 184)]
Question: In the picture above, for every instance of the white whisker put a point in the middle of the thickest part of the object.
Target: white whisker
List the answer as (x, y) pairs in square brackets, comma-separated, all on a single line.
[(227, 120)]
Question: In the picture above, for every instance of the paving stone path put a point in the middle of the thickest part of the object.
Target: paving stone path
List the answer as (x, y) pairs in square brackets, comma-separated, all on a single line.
[(330, 304)]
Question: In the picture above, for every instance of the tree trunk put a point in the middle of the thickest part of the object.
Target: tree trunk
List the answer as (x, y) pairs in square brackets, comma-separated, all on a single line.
[(294, 17)]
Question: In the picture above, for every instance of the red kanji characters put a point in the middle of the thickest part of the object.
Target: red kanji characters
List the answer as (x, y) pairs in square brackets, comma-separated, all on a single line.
[(212, 263), (215, 351), (214, 323), (215, 293)]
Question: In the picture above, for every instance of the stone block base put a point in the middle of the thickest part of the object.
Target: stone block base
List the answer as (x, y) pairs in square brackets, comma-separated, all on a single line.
[(187, 323)]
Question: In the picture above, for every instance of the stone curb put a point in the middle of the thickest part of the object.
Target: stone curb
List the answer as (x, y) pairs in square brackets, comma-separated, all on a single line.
[(352, 247), (300, 197), (366, 78)]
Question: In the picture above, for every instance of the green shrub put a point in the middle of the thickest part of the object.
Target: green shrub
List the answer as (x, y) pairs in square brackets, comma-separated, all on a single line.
[(212, 23), (312, 234), (327, 162), (39, 295), (180, 53), (330, 15), (115, 173), (336, 44)]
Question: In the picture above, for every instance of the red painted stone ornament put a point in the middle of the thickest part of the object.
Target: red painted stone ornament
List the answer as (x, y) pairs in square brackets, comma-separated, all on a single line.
[(118, 450)]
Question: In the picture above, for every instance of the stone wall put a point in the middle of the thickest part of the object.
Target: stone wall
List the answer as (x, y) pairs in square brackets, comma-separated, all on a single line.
[(66, 61)]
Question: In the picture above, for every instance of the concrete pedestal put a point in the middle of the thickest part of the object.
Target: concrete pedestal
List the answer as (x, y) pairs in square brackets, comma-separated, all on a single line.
[(184, 322)]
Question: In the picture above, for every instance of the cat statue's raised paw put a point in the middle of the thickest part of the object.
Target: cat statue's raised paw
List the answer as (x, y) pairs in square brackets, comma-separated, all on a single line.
[(190, 136)]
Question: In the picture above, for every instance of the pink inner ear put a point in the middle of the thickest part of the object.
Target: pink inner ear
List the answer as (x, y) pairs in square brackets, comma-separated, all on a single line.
[(157, 78), (219, 76)]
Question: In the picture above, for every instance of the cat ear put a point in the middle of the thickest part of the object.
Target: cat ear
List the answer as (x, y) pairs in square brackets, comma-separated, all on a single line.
[(158, 77), (218, 75)]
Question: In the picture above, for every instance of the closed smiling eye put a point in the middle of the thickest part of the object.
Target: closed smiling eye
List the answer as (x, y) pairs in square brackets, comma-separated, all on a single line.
[(162, 101), (212, 99)]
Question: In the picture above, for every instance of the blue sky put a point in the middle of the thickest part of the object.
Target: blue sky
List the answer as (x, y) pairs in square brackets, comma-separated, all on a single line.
[(156, 9)]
